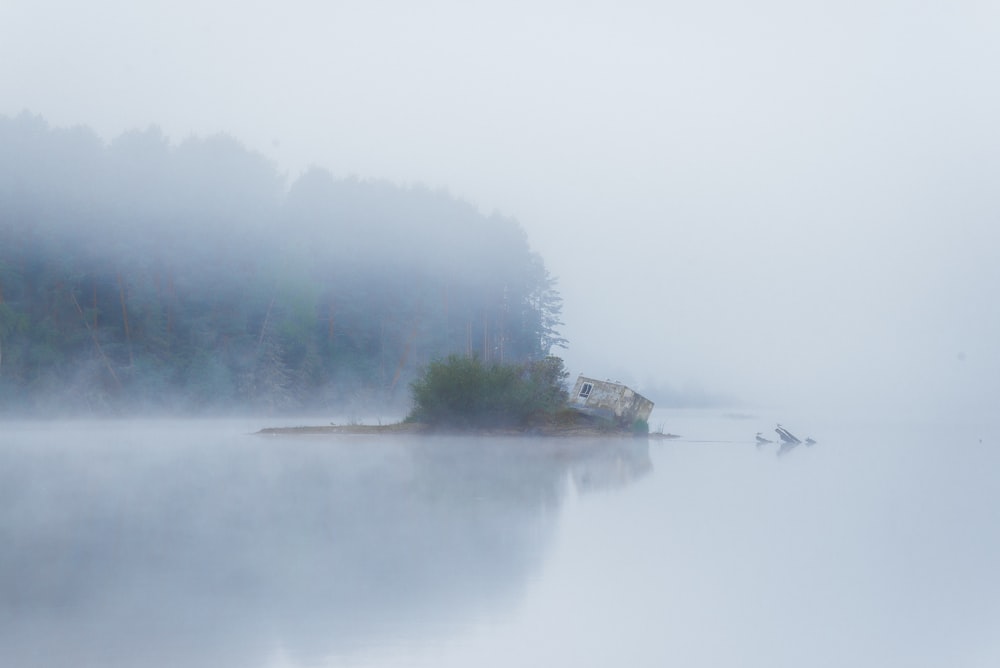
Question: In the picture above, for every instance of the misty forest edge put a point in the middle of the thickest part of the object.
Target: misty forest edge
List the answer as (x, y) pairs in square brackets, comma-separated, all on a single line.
[(141, 276)]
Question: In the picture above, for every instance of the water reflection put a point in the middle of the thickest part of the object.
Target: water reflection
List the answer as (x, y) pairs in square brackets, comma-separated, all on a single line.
[(612, 467), (178, 544)]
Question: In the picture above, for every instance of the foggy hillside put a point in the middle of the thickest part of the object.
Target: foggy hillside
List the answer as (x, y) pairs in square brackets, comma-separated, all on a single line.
[(143, 274)]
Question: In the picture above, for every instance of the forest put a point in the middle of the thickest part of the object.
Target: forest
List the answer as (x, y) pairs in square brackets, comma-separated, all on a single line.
[(145, 276)]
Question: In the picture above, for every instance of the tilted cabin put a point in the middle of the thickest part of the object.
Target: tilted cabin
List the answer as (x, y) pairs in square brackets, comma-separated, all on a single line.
[(613, 401)]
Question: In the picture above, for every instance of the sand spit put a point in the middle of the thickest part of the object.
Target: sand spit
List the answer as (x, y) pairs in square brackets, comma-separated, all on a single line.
[(405, 428)]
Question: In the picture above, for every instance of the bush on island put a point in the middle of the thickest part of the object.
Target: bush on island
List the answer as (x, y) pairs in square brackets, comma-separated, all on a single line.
[(465, 392)]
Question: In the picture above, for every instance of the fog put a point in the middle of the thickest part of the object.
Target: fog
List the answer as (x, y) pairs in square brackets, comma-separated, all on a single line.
[(165, 543), (798, 193), (780, 211), (780, 204)]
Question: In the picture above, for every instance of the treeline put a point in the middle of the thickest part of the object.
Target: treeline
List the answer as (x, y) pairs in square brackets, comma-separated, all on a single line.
[(144, 275)]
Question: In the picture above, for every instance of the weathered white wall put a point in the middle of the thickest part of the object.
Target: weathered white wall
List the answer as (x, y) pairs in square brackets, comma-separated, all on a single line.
[(611, 400)]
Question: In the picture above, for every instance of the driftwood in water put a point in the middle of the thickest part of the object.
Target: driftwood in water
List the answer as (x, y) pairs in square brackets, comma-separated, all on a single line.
[(787, 436)]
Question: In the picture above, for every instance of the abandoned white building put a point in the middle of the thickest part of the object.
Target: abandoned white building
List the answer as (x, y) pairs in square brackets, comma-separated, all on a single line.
[(608, 400)]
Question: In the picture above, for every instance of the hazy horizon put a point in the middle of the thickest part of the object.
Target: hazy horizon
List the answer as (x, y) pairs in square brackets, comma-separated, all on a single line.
[(784, 205)]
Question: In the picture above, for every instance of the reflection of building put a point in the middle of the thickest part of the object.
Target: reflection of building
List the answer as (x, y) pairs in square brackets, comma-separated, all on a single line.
[(613, 467), (608, 400)]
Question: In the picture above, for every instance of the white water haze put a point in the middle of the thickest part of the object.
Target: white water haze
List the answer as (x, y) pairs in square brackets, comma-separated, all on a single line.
[(787, 204), (190, 543), (770, 211)]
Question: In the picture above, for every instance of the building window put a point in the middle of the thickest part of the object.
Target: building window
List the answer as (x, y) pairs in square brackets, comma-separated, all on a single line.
[(585, 390)]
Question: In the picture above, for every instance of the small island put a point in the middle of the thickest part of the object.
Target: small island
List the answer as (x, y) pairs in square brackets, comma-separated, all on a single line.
[(462, 394)]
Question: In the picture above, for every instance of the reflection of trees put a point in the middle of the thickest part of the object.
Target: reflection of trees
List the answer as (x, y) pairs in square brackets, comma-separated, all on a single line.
[(203, 553)]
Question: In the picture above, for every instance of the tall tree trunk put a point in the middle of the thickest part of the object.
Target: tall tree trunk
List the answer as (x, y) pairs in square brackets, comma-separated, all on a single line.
[(406, 352), (128, 335), (381, 353), (97, 344), (263, 325), (1, 338), (444, 318), (171, 298), (93, 297), (486, 336)]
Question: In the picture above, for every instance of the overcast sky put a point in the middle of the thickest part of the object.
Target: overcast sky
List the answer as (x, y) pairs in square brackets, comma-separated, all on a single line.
[(790, 203)]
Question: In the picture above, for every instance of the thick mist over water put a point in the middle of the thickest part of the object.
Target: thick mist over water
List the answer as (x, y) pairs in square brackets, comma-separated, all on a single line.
[(192, 543), (754, 214), (162, 543)]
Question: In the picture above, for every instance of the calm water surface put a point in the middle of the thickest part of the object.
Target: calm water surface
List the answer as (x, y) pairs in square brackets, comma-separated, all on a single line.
[(192, 543)]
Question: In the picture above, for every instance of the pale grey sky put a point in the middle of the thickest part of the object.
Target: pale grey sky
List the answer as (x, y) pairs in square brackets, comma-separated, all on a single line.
[(793, 203)]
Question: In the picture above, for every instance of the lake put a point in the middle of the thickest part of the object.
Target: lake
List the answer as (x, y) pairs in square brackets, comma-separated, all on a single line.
[(192, 543)]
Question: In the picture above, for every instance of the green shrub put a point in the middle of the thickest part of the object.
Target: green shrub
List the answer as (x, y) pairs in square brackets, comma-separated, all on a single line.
[(640, 427), (465, 392)]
